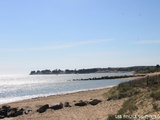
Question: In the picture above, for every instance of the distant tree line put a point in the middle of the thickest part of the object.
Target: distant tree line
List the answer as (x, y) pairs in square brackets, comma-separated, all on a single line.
[(148, 69), (67, 71), (136, 69)]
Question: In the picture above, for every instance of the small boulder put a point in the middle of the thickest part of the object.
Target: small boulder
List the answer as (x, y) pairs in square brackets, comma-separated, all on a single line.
[(3, 113), (81, 103), (19, 112), (94, 102), (43, 108), (109, 99), (7, 111), (4, 110), (12, 112), (2, 116), (66, 104), (57, 106), (5, 107)]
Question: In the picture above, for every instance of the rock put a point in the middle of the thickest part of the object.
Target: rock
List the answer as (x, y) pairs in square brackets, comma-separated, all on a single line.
[(81, 103), (66, 104), (3, 113), (109, 99), (19, 112), (57, 106), (7, 111), (27, 109), (5, 107), (2, 116), (12, 112), (94, 102), (33, 72), (43, 108)]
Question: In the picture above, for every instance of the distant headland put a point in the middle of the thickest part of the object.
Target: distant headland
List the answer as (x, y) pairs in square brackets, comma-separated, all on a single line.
[(136, 69)]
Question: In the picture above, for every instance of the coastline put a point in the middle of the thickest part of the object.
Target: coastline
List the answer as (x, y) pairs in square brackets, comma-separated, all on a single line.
[(90, 112), (62, 94), (57, 94), (55, 91)]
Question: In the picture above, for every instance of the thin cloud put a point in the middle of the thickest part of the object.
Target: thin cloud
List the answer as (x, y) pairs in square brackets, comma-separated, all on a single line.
[(146, 42), (63, 46), (71, 45)]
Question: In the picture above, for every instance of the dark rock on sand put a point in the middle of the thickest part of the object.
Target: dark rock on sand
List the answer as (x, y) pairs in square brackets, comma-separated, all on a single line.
[(4, 110), (13, 112), (81, 103), (109, 99), (6, 107), (3, 113), (43, 108), (94, 102), (57, 106), (2, 116), (66, 104), (19, 112), (7, 111)]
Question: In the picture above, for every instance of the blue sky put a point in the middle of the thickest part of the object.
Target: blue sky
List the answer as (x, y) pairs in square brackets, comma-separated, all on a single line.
[(74, 34)]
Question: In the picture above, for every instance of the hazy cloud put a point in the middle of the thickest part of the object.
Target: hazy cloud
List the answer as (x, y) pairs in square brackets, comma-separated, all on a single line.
[(63, 46)]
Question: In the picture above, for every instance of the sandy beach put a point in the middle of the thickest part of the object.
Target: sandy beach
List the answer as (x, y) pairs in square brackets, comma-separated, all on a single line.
[(89, 112)]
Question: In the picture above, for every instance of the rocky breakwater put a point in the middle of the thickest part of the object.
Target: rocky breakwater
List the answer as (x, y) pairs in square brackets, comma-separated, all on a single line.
[(110, 77)]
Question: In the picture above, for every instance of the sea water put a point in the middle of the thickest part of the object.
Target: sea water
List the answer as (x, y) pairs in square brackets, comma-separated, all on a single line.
[(19, 87)]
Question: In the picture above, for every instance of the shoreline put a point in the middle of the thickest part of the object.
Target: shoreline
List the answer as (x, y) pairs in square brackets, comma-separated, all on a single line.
[(17, 99), (20, 98), (58, 94), (89, 112)]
